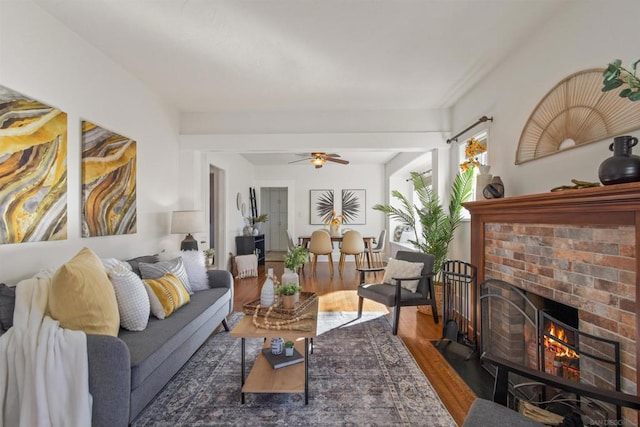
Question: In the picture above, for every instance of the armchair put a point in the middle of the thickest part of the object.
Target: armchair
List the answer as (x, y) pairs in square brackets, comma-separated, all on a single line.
[(395, 295)]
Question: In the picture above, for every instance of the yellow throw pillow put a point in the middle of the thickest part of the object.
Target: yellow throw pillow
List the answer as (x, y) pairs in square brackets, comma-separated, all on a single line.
[(82, 298), (170, 292)]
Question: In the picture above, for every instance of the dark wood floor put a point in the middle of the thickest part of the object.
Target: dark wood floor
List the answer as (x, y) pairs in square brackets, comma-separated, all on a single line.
[(416, 329)]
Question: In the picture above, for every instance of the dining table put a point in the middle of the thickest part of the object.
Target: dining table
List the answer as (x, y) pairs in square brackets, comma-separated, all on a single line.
[(368, 244)]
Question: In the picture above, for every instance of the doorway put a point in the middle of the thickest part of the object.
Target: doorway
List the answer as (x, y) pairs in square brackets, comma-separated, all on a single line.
[(216, 215), (274, 202)]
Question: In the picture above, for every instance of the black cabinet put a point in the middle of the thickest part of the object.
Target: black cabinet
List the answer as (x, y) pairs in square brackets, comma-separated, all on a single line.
[(246, 245)]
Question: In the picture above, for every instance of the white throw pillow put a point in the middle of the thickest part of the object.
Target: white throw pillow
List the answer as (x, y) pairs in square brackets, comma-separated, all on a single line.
[(112, 263), (174, 266), (398, 269), (132, 298), (194, 263)]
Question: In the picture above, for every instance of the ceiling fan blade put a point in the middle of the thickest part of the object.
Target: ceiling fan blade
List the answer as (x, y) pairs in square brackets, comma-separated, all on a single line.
[(301, 160), (332, 155), (342, 162)]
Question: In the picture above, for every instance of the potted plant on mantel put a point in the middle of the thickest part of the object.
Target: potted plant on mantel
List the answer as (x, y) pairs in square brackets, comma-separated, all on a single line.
[(438, 226)]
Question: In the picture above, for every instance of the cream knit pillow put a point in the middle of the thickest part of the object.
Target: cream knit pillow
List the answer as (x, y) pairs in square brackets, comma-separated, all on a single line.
[(398, 269)]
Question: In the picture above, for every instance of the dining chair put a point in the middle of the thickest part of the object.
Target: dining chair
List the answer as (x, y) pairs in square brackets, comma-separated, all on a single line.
[(352, 244), (393, 291), (377, 250), (320, 244), (290, 243)]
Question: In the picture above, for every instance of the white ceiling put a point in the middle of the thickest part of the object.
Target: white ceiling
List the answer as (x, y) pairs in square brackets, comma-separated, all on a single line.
[(305, 55)]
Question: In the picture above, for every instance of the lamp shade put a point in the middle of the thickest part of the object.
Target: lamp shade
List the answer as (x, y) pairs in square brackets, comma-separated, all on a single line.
[(187, 222)]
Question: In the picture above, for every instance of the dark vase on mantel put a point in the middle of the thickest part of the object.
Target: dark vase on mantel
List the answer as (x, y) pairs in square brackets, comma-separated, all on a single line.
[(622, 166)]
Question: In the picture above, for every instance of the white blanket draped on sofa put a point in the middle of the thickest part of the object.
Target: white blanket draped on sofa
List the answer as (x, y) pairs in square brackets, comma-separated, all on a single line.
[(44, 376)]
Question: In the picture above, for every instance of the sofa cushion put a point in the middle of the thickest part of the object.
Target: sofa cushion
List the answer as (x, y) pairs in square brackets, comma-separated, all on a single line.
[(7, 305), (169, 292), (149, 348), (82, 297)]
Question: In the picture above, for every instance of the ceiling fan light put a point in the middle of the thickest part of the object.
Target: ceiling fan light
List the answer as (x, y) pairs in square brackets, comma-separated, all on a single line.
[(318, 161)]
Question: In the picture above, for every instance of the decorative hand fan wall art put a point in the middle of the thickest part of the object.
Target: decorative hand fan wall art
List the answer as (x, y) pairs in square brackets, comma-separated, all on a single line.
[(574, 113)]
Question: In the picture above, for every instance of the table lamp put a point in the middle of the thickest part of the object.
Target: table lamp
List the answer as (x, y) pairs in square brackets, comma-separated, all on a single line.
[(187, 222)]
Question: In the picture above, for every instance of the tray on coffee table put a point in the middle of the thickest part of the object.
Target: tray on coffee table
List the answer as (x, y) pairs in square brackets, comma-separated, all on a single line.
[(278, 312)]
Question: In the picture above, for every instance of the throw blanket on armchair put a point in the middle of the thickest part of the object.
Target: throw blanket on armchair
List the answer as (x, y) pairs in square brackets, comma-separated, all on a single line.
[(44, 373)]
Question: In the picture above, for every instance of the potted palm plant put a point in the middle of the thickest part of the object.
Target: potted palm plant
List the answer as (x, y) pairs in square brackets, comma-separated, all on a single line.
[(436, 224)]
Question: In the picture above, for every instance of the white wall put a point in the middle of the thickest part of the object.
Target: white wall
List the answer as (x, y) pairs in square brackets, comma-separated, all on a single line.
[(238, 176), (303, 177), (41, 58), (586, 34)]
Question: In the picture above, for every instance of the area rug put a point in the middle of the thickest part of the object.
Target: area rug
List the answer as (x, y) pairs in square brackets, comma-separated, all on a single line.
[(359, 374)]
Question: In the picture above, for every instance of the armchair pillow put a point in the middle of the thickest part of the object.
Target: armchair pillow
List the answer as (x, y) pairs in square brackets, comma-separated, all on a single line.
[(399, 269)]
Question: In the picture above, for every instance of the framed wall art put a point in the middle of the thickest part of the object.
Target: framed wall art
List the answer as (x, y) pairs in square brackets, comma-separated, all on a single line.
[(354, 204), (108, 182), (320, 206), (33, 170)]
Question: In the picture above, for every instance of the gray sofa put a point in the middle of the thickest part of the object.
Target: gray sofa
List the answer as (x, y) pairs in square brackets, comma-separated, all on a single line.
[(125, 373)]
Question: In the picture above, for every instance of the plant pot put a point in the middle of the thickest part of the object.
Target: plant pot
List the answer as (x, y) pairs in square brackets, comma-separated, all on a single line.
[(288, 351), (288, 301), (426, 309)]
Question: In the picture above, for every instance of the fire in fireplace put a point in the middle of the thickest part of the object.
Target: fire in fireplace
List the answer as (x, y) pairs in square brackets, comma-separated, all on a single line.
[(532, 331), (543, 334), (560, 357)]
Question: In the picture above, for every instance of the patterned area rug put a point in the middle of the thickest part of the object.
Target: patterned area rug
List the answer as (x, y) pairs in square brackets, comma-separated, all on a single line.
[(359, 374)]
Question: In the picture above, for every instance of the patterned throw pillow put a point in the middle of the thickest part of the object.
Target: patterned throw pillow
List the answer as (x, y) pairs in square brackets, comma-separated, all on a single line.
[(133, 301), (174, 266), (169, 292), (398, 268), (134, 262), (82, 297), (7, 305)]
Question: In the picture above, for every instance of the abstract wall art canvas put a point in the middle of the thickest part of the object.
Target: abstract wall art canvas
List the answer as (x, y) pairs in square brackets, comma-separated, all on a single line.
[(320, 206), (108, 182), (354, 203), (33, 170)]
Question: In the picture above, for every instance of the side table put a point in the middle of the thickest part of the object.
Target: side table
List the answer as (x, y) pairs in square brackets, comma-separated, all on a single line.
[(265, 379)]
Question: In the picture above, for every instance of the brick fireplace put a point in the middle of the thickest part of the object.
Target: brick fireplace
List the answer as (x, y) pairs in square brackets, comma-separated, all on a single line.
[(577, 247)]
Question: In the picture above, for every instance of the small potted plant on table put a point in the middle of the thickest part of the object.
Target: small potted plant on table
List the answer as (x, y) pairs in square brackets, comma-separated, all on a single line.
[(294, 259), (287, 294), (288, 348)]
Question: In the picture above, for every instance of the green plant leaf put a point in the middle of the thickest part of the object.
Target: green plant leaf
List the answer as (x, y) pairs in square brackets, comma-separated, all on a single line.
[(625, 92), (612, 84), (635, 96)]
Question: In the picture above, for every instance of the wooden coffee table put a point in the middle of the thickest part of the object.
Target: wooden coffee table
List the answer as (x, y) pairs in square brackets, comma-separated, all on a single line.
[(263, 378)]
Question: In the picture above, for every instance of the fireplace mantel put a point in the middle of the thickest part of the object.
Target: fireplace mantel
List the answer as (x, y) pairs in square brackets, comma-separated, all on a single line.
[(517, 237)]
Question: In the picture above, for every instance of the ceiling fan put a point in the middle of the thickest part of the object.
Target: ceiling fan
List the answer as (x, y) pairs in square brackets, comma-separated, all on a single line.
[(319, 159)]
